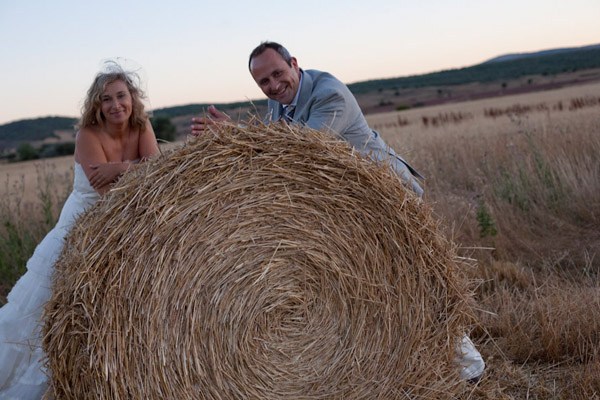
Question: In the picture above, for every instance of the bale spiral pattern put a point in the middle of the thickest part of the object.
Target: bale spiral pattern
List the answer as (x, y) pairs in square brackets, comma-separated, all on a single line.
[(264, 262)]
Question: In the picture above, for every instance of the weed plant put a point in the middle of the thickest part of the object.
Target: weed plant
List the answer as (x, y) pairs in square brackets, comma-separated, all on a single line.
[(24, 224)]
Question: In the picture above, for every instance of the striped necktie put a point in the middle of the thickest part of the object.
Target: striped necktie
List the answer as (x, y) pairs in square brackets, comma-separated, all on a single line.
[(288, 113)]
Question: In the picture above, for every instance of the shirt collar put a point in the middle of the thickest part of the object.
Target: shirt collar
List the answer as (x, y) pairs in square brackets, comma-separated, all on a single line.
[(295, 101)]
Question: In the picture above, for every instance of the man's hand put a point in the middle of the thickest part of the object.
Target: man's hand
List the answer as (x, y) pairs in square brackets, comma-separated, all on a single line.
[(202, 124)]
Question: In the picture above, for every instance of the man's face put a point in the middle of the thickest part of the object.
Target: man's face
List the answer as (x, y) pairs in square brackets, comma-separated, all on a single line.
[(278, 80)]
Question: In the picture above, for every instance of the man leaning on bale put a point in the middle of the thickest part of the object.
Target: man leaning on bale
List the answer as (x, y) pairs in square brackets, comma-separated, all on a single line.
[(315, 99), (320, 101)]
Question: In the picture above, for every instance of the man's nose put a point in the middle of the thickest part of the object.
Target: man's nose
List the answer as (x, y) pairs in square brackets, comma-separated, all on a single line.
[(274, 86)]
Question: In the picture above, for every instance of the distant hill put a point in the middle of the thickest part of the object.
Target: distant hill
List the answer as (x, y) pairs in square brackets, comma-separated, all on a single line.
[(517, 56), (28, 130), (537, 69), (196, 109), (545, 64)]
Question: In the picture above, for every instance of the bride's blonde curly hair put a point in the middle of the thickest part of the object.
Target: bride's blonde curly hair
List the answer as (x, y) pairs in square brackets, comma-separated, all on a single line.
[(91, 112)]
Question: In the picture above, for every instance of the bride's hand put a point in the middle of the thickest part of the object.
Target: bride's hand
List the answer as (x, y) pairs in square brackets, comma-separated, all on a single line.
[(106, 173)]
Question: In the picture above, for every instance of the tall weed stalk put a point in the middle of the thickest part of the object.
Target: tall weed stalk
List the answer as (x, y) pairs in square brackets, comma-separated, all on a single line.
[(23, 224)]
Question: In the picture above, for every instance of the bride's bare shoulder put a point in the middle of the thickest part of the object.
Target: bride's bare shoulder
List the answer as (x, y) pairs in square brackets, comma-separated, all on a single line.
[(91, 135), (92, 130)]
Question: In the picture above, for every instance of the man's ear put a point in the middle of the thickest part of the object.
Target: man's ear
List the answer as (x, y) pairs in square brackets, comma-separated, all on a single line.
[(294, 64)]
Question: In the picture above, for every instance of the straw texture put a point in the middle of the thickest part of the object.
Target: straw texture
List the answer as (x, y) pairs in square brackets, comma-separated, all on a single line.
[(258, 262)]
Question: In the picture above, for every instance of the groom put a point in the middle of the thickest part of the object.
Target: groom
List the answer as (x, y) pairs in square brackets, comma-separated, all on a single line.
[(315, 99)]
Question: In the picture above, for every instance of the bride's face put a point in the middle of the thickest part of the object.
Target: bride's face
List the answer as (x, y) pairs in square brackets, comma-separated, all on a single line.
[(116, 103)]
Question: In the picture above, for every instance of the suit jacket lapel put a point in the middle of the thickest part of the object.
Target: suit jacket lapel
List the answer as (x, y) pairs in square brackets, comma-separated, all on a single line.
[(303, 98)]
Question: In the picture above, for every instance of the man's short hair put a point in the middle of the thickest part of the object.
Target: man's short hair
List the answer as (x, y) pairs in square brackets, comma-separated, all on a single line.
[(270, 45)]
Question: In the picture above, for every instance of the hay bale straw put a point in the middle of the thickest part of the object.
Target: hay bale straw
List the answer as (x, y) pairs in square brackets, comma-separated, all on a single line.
[(258, 262)]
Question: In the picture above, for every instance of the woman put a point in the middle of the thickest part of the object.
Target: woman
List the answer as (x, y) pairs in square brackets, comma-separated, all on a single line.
[(114, 133)]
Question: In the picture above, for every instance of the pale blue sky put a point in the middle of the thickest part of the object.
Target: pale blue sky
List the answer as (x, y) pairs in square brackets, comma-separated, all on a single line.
[(194, 51)]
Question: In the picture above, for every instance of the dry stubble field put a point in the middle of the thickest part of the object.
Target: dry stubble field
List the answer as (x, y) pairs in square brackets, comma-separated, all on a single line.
[(516, 182)]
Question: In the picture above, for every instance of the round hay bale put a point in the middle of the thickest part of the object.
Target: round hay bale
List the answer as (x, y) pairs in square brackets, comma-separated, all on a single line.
[(264, 262)]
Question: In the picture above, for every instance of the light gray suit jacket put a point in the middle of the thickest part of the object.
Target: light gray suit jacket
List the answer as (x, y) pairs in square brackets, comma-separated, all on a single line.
[(326, 104)]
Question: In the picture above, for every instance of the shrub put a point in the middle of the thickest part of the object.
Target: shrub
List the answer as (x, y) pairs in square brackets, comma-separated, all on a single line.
[(163, 128), (487, 226), (26, 151)]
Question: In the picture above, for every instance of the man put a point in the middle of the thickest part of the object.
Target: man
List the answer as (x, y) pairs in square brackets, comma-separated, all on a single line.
[(315, 99), (320, 101)]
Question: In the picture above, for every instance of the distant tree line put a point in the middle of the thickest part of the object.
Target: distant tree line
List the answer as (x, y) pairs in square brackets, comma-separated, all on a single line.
[(26, 151), (197, 109), (550, 64), (29, 130)]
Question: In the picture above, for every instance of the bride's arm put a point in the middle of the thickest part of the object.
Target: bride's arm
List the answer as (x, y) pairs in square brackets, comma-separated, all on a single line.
[(89, 153)]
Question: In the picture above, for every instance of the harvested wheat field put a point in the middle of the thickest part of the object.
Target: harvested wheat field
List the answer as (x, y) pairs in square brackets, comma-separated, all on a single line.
[(26, 179), (258, 262), (516, 181)]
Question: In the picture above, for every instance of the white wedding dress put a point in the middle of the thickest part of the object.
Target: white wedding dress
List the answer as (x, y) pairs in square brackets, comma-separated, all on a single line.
[(22, 375)]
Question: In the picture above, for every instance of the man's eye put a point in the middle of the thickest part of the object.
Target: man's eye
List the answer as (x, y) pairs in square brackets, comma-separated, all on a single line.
[(277, 74)]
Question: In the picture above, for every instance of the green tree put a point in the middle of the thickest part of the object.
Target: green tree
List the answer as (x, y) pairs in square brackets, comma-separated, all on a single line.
[(26, 151), (163, 128), (57, 150)]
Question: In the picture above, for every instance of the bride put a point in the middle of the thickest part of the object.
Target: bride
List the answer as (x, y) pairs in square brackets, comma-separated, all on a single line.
[(114, 133)]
